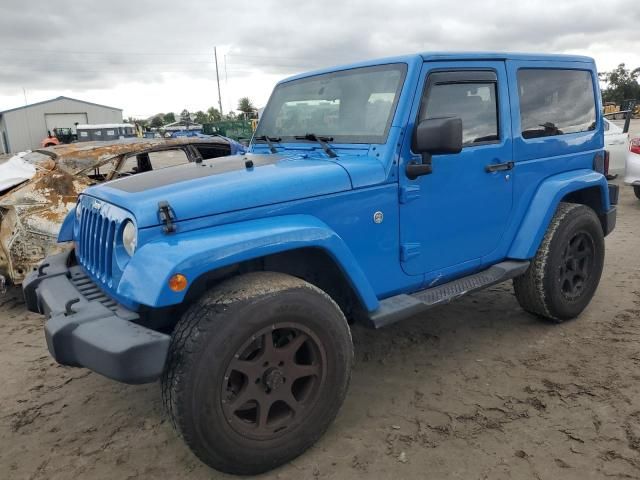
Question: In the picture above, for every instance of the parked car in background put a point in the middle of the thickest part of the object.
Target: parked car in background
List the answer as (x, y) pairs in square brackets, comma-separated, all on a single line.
[(632, 169), (616, 142), (39, 188)]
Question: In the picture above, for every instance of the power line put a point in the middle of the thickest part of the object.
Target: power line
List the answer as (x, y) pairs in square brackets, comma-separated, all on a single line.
[(36, 63), (242, 69), (18, 62), (128, 53), (98, 52)]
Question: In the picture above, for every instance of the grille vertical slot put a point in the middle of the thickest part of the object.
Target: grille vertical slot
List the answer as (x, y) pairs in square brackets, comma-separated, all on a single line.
[(96, 237)]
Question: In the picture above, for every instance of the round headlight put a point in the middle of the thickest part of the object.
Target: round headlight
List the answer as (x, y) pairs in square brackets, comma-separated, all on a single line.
[(129, 237)]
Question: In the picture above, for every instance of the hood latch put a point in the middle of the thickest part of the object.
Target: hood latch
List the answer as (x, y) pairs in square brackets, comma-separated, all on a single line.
[(166, 215)]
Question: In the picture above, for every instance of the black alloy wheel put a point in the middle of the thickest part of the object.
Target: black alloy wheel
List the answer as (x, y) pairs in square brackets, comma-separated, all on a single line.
[(576, 265), (272, 379)]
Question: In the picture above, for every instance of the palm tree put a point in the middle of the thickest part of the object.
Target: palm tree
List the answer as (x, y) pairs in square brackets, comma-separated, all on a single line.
[(246, 107)]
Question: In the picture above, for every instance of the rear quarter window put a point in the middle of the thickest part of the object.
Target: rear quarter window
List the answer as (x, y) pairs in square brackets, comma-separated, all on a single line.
[(555, 102)]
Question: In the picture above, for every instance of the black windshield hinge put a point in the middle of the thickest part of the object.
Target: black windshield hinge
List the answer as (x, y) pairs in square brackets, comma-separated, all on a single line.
[(166, 216)]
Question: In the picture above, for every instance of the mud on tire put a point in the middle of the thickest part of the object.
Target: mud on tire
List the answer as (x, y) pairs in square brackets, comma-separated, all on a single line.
[(566, 270), (257, 370)]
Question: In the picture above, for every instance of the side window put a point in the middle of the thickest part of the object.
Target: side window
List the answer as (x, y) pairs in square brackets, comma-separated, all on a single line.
[(468, 95), (213, 151), (168, 158), (555, 102), (144, 162), (132, 164)]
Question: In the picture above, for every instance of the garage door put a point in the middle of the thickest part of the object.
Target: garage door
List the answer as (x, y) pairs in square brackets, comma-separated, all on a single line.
[(64, 120)]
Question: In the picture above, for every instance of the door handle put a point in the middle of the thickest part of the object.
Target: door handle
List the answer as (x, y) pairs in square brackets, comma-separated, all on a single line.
[(499, 167)]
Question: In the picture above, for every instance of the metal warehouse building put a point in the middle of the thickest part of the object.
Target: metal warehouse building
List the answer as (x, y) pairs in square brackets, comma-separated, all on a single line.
[(23, 128)]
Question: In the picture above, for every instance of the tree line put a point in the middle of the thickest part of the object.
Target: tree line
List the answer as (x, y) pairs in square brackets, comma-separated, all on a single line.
[(246, 110), (621, 84)]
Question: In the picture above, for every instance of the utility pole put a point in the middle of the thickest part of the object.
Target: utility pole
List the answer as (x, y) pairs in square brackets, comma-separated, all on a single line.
[(215, 54), (26, 119)]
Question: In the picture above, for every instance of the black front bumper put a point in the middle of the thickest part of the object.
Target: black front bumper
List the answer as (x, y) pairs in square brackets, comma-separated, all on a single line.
[(86, 328)]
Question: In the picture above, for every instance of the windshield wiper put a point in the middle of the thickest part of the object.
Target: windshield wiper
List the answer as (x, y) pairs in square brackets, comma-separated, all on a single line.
[(269, 141), (312, 137)]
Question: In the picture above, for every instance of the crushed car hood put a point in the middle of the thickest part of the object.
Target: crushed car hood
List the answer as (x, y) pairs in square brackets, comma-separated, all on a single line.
[(44, 201), (224, 185), (30, 218)]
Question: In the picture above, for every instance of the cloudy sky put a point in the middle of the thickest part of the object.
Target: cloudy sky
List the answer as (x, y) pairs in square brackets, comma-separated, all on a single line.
[(157, 56)]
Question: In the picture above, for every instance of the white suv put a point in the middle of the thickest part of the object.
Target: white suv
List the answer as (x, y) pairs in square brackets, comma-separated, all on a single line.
[(616, 141), (632, 171)]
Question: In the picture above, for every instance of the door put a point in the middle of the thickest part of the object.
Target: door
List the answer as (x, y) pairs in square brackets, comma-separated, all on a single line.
[(64, 120), (616, 142), (457, 214)]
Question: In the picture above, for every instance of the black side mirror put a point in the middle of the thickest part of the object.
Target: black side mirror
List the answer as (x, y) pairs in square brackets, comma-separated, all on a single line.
[(434, 136)]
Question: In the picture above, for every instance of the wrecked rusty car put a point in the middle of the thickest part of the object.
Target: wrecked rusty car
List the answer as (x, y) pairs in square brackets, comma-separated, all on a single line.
[(39, 188)]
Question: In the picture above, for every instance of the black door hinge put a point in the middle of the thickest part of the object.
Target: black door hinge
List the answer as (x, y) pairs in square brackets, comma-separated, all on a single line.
[(166, 215)]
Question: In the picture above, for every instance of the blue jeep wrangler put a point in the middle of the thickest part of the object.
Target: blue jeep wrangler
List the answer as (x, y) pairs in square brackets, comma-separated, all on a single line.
[(370, 193)]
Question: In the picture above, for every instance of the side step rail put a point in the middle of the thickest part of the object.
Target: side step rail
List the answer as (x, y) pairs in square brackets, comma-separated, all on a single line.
[(402, 306)]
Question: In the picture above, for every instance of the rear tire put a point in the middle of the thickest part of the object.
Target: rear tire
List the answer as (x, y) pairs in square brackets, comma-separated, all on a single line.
[(636, 190), (566, 270), (257, 370)]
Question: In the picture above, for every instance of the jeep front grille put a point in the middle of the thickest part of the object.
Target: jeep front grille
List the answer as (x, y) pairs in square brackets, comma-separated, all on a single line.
[(95, 241)]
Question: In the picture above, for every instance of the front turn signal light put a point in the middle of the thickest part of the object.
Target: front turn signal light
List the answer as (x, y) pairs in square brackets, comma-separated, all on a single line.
[(178, 282)]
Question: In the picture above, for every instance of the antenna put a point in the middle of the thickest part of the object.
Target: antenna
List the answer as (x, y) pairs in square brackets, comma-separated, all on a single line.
[(215, 55)]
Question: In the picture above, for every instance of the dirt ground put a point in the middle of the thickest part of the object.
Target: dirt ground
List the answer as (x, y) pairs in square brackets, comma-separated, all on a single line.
[(475, 390)]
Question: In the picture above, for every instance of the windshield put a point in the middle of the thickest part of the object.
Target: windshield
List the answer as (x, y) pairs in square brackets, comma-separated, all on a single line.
[(350, 106)]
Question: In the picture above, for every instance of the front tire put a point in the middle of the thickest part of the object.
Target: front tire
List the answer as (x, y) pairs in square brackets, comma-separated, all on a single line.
[(636, 190), (566, 270), (257, 370)]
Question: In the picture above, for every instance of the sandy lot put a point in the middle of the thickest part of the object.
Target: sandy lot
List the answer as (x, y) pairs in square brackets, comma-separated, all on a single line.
[(475, 390)]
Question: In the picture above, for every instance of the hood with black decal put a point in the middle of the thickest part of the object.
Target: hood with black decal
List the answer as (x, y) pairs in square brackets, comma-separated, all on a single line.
[(226, 184)]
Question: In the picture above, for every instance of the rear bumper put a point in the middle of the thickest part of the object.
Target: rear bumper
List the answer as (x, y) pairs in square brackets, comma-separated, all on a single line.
[(85, 328)]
